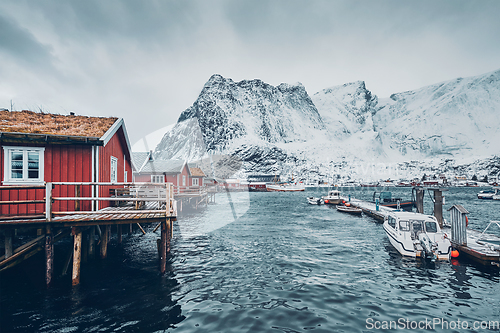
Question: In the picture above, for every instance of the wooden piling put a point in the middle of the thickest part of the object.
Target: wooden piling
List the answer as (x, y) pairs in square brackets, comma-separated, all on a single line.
[(8, 243), (169, 234), (130, 229), (420, 200), (163, 248), (119, 233), (85, 245), (49, 255), (77, 255), (104, 242), (438, 206), (91, 242)]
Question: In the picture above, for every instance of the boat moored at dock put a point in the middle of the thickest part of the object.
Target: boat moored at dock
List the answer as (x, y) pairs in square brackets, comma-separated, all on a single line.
[(417, 235), (315, 201), (333, 198), (285, 187), (489, 194), (385, 199)]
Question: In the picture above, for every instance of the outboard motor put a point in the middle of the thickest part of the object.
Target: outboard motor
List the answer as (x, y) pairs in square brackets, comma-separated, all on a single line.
[(428, 246)]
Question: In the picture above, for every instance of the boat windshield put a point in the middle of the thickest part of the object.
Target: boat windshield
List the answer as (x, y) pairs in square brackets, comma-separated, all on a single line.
[(430, 226)]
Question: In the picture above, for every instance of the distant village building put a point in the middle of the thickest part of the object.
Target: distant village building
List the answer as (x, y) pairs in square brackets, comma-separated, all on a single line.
[(42, 147), (151, 170)]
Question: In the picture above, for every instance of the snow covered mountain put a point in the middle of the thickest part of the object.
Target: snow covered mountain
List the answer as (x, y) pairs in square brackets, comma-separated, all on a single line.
[(341, 129), (458, 118), (249, 117)]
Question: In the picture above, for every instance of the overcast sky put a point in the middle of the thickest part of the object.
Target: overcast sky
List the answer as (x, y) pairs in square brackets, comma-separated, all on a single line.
[(146, 61)]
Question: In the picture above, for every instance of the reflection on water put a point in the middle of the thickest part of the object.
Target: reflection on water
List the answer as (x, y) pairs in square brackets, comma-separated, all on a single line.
[(281, 266)]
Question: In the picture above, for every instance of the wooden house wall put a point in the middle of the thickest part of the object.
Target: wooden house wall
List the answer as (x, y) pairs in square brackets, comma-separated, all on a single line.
[(115, 147), (62, 163)]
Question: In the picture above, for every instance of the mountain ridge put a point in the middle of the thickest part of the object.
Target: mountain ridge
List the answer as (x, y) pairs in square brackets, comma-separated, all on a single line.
[(282, 128)]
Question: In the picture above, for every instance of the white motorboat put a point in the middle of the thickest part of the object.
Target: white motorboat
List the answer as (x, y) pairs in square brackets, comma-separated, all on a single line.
[(333, 198), (315, 201), (285, 187), (488, 194), (417, 235)]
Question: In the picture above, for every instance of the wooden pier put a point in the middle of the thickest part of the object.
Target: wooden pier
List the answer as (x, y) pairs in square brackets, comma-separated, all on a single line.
[(479, 247), (129, 206)]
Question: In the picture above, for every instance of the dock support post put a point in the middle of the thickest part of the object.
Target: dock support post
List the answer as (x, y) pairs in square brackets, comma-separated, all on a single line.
[(49, 255), (119, 233), (438, 206), (420, 200), (77, 255), (163, 248), (130, 229), (8, 243), (92, 242), (169, 234), (104, 242)]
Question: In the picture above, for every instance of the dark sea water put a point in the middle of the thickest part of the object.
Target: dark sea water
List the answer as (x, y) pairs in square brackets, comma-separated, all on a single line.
[(258, 262)]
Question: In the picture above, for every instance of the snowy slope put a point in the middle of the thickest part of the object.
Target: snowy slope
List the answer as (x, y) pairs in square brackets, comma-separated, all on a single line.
[(340, 130), (458, 118)]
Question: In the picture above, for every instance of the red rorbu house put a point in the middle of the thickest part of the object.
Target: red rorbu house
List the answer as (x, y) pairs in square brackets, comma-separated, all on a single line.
[(153, 170), (39, 148)]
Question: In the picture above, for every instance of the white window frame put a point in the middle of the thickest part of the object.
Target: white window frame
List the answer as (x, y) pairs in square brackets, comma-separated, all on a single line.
[(183, 180), (157, 179), (195, 181), (113, 173), (7, 180)]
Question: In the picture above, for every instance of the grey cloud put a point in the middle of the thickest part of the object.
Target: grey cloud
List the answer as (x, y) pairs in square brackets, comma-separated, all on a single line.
[(21, 46)]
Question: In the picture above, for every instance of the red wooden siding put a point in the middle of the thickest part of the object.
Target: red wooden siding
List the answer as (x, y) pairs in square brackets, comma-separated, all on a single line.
[(61, 164), (115, 147)]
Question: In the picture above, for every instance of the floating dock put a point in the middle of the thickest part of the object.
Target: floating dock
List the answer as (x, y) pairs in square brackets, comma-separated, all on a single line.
[(472, 244)]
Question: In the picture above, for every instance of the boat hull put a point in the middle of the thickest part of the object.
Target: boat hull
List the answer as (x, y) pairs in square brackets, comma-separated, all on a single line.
[(280, 188), (332, 201), (350, 210)]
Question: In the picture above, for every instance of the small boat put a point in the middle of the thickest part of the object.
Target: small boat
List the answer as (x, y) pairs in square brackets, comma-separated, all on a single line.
[(285, 187), (488, 194), (417, 235), (315, 201), (333, 198), (385, 199), (350, 210)]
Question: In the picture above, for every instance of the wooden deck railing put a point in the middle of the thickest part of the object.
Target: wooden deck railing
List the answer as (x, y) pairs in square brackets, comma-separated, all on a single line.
[(137, 193)]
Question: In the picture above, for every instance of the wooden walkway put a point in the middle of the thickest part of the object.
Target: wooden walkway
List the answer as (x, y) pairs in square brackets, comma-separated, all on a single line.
[(105, 216), (480, 252), (86, 226)]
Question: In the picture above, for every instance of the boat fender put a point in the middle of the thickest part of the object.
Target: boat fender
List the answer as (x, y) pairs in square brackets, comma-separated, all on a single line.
[(466, 221), (347, 204), (454, 253)]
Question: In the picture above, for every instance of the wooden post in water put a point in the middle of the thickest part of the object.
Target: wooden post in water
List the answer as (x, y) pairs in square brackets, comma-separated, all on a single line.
[(438, 206), (420, 200), (104, 242), (163, 248), (119, 233), (49, 255), (92, 242), (8, 242), (169, 234), (130, 229), (77, 255)]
